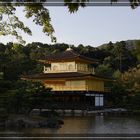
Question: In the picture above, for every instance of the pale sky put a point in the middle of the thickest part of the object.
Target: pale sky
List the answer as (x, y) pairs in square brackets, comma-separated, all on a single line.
[(89, 26)]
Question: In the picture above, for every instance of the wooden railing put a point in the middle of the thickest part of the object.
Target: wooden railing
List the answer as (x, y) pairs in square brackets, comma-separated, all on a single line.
[(69, 88), (75, 69), (49, 70), (76, 88)]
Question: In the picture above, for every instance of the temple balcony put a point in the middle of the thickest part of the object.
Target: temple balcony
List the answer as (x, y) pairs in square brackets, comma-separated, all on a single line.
[(76, 88), (50, 70), (69, 88), (76, 68)]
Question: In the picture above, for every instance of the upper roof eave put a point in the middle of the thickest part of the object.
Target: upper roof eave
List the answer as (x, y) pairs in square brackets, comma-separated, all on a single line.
[(68, 55)]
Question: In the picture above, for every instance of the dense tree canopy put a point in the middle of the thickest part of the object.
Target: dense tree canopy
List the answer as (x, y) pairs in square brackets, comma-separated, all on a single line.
[(22, 96), (17, 59)]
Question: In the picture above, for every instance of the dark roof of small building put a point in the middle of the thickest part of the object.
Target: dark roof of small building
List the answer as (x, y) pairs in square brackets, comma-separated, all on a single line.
[(68, 75), (67, 55)]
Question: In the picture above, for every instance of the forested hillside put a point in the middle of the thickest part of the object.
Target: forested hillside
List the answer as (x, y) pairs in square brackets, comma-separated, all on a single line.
[(16, 59)]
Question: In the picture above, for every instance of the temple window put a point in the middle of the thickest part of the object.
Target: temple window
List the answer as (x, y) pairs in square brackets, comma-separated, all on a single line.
[(63, 66), (70, 67), (55, 68)]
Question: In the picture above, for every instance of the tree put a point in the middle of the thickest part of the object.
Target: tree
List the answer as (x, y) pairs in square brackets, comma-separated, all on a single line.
[(131, 79), (104, 70), (23, 96), (110, 46), (118, 95), (126, 89), (118, 50), (11, 25), (35, 96), (137, 49), (117, 74)]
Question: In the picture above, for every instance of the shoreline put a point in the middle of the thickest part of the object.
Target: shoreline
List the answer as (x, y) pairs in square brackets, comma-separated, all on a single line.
[(45, 120), (106, 111)]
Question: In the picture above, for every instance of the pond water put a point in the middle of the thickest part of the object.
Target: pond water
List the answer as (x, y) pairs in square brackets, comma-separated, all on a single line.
[(91, 125)]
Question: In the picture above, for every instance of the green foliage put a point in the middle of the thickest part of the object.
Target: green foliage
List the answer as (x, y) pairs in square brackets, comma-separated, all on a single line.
[(5, 85), (23, 96), (137, 49), (118, 94), (73, 6), (104, 71), (126, 90), (15, 60), (134, 101), (120, 55), (42, 18), (117, 74), (11, 25), (131, 79)]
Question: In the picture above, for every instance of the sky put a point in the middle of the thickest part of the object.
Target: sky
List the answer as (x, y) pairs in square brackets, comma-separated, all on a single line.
[(88, 26)]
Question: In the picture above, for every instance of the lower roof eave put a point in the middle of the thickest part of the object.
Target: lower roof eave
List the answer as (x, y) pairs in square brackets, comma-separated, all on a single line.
[(82, 91), (57, 76)]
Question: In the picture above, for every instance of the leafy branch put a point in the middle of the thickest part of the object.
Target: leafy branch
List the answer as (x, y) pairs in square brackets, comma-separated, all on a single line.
[(11, 25)]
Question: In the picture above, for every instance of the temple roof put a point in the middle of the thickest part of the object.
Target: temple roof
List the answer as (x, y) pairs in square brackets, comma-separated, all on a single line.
[(69, 54), (70, 75)]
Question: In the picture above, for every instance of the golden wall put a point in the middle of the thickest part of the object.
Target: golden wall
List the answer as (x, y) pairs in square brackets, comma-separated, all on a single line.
[(77, 85), (95, 85)]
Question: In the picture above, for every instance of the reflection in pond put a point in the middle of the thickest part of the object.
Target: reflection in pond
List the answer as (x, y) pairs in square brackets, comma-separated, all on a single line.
[(95, 125), (92, 125)]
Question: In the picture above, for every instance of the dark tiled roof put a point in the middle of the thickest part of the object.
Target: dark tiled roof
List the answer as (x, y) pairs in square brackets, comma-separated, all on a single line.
[(59, 75), (68, 54), (55, 75)]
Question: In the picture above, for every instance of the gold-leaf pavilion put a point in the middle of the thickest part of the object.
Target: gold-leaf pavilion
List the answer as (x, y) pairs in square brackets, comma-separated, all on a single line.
[(71, 77)]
